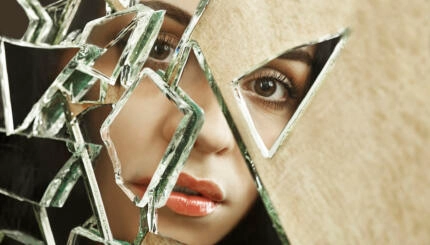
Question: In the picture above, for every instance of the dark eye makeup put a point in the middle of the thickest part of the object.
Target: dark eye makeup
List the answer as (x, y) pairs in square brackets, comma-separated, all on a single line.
[(162, 51), (269, 88)]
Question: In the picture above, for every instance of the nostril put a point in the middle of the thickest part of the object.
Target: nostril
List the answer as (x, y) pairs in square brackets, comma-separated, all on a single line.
[(215, 136)]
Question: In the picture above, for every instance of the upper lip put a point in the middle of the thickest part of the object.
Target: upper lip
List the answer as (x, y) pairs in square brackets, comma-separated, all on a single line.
[(206, 188)]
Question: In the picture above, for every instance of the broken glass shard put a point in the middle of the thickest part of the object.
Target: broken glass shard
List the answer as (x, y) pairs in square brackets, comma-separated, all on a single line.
[(271, 95), (51, 178), (127, 37), (175, 119), (16, 56)]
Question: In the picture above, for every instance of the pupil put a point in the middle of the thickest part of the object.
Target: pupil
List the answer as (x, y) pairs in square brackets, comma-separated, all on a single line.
[(160, 51), (265, 87)]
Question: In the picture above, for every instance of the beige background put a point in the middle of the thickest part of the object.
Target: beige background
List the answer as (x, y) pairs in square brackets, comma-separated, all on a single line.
[(355, 169)]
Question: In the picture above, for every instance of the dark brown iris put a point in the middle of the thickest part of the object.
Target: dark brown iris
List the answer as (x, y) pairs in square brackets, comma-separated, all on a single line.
[(264, 87), (160, 51)]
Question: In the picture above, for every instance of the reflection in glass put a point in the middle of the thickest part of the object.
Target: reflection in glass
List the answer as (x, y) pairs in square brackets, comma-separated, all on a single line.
[(190, 176), (271, 94)]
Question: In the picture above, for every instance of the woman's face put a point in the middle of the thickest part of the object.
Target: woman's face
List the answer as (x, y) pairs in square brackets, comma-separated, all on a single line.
[(215, 188)]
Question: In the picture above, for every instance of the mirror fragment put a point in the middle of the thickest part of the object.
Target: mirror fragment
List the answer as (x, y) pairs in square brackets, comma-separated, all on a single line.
[(271, 94), (17, 58)]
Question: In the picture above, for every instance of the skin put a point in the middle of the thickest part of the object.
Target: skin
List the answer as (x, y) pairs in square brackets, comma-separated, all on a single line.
[(276, 109), (150, 119)]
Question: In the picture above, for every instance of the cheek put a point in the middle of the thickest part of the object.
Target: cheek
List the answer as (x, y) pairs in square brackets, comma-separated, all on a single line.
[(137, 130), (243, 191), (268, 123)]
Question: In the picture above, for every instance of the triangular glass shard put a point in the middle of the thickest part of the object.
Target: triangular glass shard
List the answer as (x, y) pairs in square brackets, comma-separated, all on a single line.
[(75, 211), (52, 178), (272, 95), (21, 90), (126, 139), (14, 228), (127, 37)]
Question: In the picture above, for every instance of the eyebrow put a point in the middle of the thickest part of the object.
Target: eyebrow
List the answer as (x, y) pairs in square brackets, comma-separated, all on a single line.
[(298, 55), (172, 11)]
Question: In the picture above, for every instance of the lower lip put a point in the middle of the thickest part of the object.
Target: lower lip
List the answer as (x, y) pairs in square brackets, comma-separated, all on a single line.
[(194, 206)]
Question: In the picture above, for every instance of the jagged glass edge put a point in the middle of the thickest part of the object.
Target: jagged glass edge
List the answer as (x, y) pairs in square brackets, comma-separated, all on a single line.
[(67, 16), (42, 28), (270, 152), (85, 55), (79, 146), (19, 236), (241, 144), (44, 224), (138, 46), (148, 23), (172, 75), (191, 123), (40, 23), (4, 79), (177, 152), (89, 231)]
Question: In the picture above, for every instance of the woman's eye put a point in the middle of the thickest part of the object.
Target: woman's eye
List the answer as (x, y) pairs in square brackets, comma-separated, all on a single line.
[(270, 86), (161, 51), (163, 48)]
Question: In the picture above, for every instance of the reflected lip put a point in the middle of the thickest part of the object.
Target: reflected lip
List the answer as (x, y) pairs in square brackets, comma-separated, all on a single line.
[(190, 197)]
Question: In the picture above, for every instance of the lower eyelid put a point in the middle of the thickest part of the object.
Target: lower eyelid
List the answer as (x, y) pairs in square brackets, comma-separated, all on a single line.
[(155, 64), (268, 104)]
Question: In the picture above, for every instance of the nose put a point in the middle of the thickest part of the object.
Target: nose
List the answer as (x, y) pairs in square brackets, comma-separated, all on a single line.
[(215, 137)]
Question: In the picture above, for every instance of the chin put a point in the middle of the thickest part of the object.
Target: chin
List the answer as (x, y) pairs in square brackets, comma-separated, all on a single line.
[(193, 230)]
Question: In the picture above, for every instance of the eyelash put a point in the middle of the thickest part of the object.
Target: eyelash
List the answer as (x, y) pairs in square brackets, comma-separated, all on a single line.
[(278, 77), (163, 38)]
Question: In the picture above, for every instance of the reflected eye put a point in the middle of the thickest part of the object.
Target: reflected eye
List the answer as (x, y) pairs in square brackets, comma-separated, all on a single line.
[(163, 48), (160, 51), (269, 85)]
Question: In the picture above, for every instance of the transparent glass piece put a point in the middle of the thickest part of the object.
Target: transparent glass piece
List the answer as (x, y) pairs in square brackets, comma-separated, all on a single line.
[(87, 156), (76, 103), (50, 23), (271, 95), (40, 23), (21, 222), (88, 234), (149, 91), (18, 102), (257, 215), (75, 211), (52, 178), (11, 236), (61, 13), (128, 46)]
